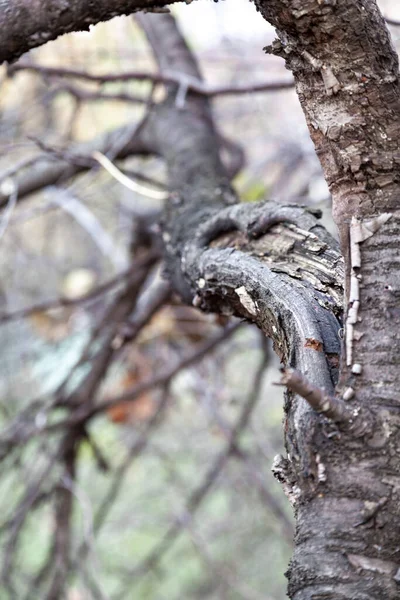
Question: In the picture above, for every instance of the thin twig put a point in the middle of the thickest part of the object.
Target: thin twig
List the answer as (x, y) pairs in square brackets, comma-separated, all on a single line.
[(265, 494), (126, 181), (90, 223), (83, 95), (12, 202), (23, 164), (192, 84), (61, 302), (134, 452), (394, 22), (357, 421), (198, 495), (133, 393), (219, 570), (333, 408)]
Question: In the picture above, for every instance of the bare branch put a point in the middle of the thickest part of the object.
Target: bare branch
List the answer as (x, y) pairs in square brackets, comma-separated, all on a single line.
[(199, 494), (67, 302), (126, 181), (219, 270), (358, 422), (84, 95), (59, 165), (135, 451), (8, 187), (166, 77), (53, 169), (394, 22), (61, 552), (130, 395), (331, 407), (108, 338), (252, 472), (27, 25), (91, 224)]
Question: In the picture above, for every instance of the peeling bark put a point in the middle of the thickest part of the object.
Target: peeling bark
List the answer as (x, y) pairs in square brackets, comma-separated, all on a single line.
[(346, 73), (345, 486), (287, 281), (334, 474)]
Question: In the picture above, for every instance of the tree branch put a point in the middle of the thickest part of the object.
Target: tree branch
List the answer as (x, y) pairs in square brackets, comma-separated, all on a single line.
[(50, 170), (332, 407), (229, 275), (193, 85), (347, 77), (27, 24), (198, 495)]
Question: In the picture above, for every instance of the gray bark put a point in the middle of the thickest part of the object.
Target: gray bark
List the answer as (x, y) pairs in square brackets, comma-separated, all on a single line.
[(343, 482), (27, 24), (347, 78), (344, 486)]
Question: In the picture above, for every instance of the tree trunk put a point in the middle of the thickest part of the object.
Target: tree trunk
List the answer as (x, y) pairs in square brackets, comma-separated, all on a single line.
[(346, 73), (341, 472), (341, 480)]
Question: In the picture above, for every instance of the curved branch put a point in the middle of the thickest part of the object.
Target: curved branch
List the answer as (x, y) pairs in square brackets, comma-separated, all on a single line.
[(347, 77), (58, 166), (290, 285)]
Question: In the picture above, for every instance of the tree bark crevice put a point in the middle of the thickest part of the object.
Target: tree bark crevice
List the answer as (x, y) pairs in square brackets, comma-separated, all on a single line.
[(328, 504), (345, 486)]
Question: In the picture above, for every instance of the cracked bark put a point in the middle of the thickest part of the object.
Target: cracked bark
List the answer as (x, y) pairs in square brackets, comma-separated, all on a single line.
[(347, 79), (287, 281), (345, 488), (353, 120)]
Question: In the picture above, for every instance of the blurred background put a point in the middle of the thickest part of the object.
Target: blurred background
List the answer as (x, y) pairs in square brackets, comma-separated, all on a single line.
[(167, 493)]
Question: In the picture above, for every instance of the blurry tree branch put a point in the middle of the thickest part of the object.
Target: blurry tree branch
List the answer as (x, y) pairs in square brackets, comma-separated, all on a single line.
[(59, 165), (198, 495), (394, 22), (81, 414), (83, 95), (191, 83), (251, 469), (45, 170), (61, 302)]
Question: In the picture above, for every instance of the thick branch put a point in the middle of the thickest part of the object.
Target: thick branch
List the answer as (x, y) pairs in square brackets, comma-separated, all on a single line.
[(57, 166), (231, 277), (26, 24)]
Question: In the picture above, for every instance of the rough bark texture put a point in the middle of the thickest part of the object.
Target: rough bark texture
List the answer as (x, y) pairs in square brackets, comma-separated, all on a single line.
[(290, 285), (348, 83), (345, 487), (26, 24)]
